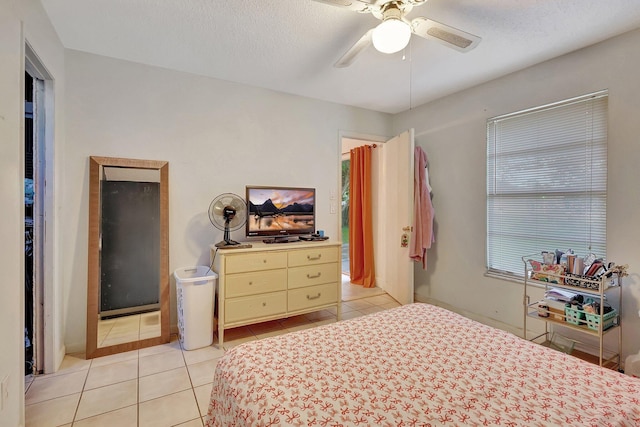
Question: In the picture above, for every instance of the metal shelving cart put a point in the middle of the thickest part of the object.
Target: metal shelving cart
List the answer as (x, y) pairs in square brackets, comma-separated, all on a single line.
[(599, 289)]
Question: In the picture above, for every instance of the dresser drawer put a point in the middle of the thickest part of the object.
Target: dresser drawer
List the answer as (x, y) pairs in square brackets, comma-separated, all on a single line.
[(313, 256), (312, 296), (258, 282), (255, 262), (312, 275), (255, 306)]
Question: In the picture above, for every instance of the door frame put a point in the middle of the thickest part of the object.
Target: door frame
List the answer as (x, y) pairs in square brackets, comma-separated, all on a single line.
[(47, 313), (366, 139), (382, 140), (350, 135)]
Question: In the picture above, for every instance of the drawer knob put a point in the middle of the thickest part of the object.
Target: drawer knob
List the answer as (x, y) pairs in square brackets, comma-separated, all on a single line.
[(314, 297), (264, 261), (314, 258), (250, 283), (309, 276), (264, 304)]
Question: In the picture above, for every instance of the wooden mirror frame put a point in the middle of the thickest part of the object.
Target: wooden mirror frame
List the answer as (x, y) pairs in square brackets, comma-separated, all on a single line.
[(93, 279)]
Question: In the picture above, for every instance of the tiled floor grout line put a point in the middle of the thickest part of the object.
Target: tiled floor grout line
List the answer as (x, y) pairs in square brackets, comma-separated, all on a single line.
[(193, 388), (84, 384), (138, 391), (252, 331)]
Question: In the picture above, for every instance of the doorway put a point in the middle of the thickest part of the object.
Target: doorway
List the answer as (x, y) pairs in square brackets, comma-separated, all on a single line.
[(350, 291), (33, 223), (28, 226), (392, 211), (41, 329), (344, 208)]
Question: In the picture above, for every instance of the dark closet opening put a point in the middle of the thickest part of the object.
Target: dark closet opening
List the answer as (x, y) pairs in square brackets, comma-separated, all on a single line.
[(28, 224)]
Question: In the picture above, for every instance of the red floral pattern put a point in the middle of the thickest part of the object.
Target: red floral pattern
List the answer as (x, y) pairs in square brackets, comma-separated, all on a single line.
[(416, 365)]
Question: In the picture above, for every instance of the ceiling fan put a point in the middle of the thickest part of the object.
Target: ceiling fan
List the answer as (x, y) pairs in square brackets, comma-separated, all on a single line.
[(393, 33)]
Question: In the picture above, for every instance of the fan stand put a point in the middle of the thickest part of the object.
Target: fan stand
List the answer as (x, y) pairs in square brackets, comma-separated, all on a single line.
[(227, 243)]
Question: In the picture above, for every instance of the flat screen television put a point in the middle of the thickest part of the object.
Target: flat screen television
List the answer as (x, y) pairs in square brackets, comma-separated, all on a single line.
[(280, 211)]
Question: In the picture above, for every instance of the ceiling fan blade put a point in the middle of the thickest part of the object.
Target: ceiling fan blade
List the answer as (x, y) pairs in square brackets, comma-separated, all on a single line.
[(348, 58), (362, 6), (449, 36)]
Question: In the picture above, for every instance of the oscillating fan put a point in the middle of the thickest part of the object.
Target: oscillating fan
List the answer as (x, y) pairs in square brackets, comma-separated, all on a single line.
[(228, 212)]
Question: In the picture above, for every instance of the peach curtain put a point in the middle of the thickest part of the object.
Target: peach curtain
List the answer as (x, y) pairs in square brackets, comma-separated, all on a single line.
[(361, 265)]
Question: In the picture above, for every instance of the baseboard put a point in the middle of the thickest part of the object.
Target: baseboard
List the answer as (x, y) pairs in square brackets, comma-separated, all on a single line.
[(61, 353)]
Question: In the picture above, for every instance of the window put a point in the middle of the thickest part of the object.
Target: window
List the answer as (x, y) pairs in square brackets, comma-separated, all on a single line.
[(547, 182)]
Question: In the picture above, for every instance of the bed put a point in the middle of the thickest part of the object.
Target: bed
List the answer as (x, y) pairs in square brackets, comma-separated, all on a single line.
[(415, 365)]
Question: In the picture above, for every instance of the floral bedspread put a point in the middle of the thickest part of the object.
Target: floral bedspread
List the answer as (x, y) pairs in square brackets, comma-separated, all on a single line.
[(416, 365)]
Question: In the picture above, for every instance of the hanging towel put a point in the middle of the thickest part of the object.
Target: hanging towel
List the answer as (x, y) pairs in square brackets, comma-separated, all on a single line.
[(422, 231)]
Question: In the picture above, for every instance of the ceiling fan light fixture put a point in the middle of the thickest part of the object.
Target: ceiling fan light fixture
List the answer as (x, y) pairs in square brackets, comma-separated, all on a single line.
[(391, 36)]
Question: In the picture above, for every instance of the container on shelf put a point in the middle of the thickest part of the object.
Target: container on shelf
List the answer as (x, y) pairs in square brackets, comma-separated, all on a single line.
[(593, 320), (581, 317), (575, 316), (562, 343)]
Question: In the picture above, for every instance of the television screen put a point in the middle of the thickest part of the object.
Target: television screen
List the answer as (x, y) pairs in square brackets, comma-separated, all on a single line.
[(280, 211)]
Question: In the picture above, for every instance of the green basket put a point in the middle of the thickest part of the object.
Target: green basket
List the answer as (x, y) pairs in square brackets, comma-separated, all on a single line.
[(593, 320), (575, 317)]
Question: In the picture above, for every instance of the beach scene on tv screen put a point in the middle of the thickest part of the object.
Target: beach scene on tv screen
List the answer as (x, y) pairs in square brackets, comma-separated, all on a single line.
[(281, 210)]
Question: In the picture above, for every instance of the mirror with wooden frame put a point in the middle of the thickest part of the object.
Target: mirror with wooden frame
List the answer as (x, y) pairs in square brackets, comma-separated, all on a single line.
[(128, 270)]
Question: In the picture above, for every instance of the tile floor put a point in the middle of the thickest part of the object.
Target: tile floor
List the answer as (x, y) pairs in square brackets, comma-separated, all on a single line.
[(161, 385), (128, 328), (351, 291)]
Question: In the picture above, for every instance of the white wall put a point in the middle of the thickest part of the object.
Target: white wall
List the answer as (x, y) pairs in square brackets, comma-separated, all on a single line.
[(10, 262), (220, 136), (22, 21), (452, 131), (217, 136)]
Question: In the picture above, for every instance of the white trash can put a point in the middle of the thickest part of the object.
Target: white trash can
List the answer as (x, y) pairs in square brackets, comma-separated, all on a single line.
[(196, 289)]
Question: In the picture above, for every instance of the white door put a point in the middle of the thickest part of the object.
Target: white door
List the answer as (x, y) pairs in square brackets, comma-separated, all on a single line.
[(394, 211)]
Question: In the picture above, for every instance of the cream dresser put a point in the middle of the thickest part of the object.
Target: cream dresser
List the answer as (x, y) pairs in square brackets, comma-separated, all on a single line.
[(274, 281)]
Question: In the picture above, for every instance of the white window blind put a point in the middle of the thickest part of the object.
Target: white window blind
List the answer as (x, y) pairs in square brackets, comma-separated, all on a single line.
[(547, 182)]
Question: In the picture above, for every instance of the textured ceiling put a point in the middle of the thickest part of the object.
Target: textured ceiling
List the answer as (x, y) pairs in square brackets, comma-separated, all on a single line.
[(291, 45)]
